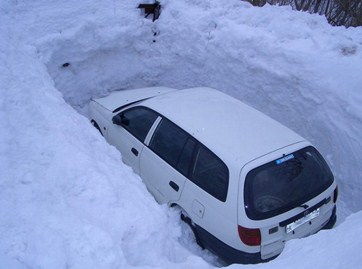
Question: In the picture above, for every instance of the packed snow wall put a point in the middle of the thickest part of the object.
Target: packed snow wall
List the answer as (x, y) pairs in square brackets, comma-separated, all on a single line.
[(67, 200), (301, 73)]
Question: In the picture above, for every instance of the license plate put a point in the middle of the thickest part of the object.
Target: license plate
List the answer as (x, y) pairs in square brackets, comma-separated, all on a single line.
[(294, 225)]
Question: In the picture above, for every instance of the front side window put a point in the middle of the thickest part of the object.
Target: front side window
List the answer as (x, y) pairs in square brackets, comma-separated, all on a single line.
[(285, 183), (168, 141), (210, 173), (138, 121)]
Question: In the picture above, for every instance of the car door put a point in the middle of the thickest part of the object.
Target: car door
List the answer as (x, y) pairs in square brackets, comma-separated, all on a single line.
[(129, 131), (166, 161)]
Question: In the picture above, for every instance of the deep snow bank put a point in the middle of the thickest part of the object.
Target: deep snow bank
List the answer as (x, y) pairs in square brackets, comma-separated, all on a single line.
[(68, 202), (66, 199), (292, 66), (323, 250)]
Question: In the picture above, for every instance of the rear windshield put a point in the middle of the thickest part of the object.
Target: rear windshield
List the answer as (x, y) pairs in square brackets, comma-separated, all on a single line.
[(285, 183)]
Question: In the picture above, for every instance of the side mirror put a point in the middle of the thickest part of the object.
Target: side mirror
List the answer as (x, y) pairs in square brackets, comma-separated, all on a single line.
[(120, 119)]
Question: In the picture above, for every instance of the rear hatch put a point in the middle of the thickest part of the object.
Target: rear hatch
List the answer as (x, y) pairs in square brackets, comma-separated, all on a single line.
[(288, 196)]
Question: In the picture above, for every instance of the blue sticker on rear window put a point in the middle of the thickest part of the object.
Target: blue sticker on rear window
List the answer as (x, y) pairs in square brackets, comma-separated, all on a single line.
[(284, 159)]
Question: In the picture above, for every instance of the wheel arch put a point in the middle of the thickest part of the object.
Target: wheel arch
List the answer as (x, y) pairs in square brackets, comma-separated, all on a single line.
[(95, 124)]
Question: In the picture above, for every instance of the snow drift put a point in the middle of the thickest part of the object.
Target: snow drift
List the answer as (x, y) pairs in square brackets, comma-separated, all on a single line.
[(66, 199)]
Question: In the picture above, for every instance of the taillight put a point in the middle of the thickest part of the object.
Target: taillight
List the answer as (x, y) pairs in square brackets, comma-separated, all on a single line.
[(335, 195), (250, 237)]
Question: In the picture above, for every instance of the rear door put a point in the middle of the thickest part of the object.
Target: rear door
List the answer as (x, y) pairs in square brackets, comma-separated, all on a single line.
[(166, 161), (130, 135), (287, 194)]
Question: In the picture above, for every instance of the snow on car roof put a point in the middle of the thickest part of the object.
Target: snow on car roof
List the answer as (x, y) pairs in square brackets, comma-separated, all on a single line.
[(228, 127)]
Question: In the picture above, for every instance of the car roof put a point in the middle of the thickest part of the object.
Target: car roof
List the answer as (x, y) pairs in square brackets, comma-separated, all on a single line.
[(234, 131)]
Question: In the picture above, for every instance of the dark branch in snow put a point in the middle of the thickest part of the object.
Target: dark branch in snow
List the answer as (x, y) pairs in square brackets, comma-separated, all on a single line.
[(337, 12)]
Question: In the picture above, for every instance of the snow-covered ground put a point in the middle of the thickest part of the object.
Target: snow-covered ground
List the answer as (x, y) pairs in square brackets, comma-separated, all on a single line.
[(66, 199)]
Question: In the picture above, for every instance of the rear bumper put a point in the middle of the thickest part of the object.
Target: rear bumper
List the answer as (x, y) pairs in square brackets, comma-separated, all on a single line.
[(230, 255), (332, 221)]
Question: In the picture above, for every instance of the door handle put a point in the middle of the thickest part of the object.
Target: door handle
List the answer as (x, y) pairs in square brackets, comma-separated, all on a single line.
[(174, 186), (134, 151)]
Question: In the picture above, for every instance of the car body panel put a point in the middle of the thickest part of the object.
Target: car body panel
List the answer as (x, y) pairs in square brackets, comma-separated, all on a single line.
[(242, 137), (160, 176), (273, 243), (223, 123), (130, 147), (120, 98)]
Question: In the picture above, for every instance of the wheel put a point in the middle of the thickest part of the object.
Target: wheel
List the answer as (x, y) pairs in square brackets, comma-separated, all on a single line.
[(95, 124), (332, 220), (185, 218)]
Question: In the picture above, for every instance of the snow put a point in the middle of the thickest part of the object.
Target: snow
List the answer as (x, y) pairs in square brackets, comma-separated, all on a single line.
[(66, 199)]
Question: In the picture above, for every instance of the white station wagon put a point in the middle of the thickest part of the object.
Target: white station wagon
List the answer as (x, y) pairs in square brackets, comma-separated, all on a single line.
[(245, 183)]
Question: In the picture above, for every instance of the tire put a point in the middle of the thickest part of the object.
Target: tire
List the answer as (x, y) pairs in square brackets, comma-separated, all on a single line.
[(185, 218), (95, 124), (332, 221)]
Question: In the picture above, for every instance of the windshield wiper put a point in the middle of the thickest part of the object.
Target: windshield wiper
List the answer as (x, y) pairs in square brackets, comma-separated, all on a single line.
[(305, 206)]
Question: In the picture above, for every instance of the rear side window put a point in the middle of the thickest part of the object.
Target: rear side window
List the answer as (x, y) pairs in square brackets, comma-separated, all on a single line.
[(191, 159), (185, 159), (210, 173), (168, 141), (138, 121)]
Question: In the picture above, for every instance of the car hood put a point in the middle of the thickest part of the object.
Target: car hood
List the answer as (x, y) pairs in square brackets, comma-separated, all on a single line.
[(124, 97)]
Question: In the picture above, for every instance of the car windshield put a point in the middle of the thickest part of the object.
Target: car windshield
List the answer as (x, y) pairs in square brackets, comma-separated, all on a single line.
[(285, 183)]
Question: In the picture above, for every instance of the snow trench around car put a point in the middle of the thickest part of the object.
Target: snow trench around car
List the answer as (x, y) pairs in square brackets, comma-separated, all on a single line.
[(295, 85), (66, 192)]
